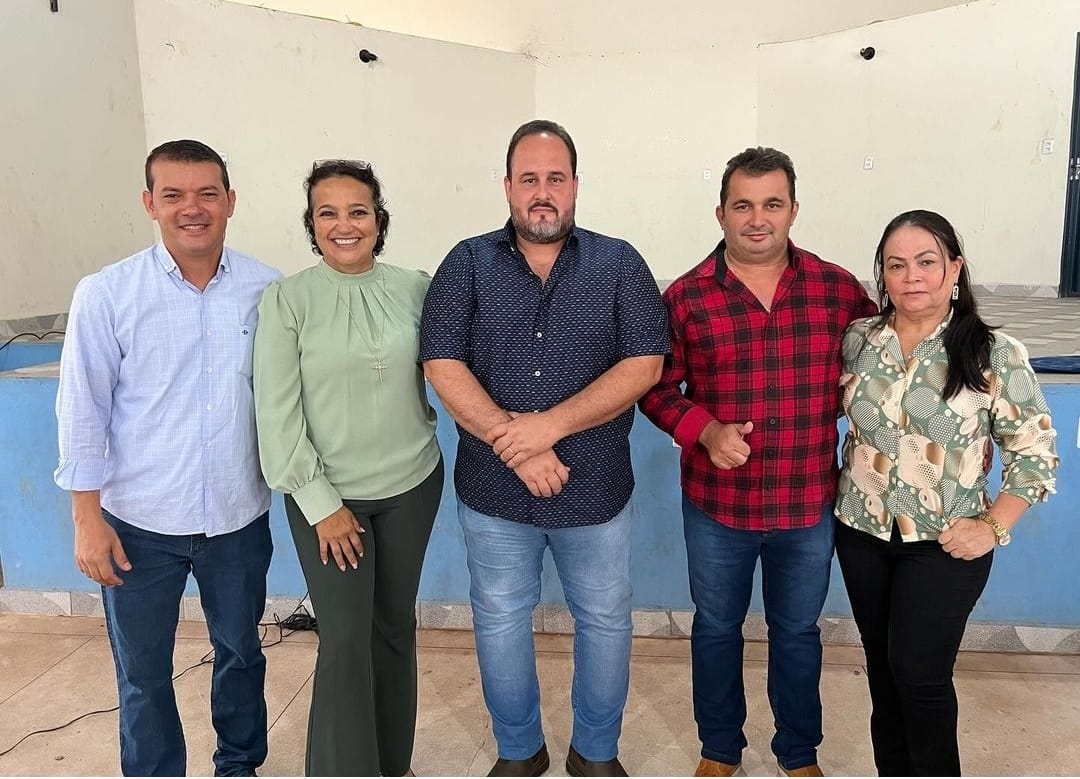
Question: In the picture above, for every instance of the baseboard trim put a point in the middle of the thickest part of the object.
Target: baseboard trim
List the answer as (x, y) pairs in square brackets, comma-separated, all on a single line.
[(555, 618)]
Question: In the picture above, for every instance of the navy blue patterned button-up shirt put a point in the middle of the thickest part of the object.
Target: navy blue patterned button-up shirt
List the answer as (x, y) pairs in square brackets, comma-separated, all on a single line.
[(531, 345)]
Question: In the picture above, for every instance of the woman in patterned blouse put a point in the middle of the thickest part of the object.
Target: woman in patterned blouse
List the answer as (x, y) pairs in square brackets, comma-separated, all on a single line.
[(928, 388)]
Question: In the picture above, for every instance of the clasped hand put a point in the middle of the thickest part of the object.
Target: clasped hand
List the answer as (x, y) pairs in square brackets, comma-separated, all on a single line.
[(524, 443), (522, 437)]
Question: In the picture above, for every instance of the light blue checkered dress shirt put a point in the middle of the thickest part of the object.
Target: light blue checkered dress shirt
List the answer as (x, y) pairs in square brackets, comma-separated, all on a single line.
[(155, 405)]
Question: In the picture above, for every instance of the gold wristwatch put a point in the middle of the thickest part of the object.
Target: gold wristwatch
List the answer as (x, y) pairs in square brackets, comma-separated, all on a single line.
[(1001, 533)]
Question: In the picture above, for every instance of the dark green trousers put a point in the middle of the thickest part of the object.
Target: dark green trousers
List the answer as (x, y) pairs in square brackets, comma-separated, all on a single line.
[(363, 703)]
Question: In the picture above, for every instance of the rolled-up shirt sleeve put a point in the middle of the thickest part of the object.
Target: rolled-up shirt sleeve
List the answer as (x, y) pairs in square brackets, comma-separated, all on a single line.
[(289, 461), (89, 367), (1021, 425)]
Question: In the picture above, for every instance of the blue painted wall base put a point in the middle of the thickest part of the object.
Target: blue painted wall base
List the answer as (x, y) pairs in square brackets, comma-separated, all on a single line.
[(1033, 582)]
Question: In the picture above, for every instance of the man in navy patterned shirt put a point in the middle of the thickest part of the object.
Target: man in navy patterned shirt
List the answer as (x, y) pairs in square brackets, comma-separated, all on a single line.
[(539, 337), (751, 395)]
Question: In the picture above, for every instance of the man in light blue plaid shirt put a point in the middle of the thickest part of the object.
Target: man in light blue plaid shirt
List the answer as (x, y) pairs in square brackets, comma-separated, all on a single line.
[(157, 447)]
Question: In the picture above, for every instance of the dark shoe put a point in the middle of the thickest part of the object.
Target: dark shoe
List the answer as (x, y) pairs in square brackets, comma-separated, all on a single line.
[(808, 770), (533, 766), (576, 765)]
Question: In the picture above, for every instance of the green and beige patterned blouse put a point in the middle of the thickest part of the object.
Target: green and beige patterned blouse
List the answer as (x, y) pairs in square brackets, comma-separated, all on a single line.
[(914, 457)]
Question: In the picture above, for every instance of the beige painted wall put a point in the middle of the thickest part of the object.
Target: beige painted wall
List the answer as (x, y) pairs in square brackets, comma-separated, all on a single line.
[(659, 101), (274, 91), (489, 24), (647, 128), (72, 138), (561, 28), (653, 98), (952, 109)]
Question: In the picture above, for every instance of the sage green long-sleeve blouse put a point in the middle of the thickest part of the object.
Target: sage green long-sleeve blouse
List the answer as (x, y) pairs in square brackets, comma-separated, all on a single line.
[(340, 403)]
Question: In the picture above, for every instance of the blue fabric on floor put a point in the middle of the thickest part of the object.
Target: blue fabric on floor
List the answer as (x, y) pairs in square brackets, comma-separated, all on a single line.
[(1064, 364)]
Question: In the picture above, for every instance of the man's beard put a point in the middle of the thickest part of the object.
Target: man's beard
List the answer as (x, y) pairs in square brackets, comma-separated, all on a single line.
[(545, 231)]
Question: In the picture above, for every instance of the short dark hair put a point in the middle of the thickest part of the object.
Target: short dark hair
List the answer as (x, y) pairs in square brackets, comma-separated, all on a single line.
[(757, 161), (354, 169), (185, 151), (536, 127), (968, 339)]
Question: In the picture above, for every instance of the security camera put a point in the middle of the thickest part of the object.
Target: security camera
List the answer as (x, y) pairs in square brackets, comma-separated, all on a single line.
[(867, 53)]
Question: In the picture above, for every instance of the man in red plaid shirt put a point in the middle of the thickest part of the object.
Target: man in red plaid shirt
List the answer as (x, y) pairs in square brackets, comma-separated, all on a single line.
[(756, 329)]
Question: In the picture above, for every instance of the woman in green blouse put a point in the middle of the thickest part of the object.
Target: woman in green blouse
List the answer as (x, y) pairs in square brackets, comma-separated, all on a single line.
[(346, 432), (928, 388)]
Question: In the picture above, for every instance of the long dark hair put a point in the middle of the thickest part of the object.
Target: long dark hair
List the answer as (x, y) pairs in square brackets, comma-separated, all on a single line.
[(968, 339)]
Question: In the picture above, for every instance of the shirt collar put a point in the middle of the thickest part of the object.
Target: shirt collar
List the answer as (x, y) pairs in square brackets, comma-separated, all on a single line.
[(720, 252), (167, 264)]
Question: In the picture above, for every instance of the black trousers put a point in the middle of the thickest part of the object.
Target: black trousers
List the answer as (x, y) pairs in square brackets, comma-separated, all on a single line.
[(911, 602), (363, 701)]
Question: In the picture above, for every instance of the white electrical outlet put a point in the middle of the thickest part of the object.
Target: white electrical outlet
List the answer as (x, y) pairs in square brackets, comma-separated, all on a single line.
[(1047, 146), (706, 174), (868, 162)]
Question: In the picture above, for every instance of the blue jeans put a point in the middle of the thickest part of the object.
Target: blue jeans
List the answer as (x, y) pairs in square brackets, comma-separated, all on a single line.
[(795, 567), (593, 562), (142, 615)]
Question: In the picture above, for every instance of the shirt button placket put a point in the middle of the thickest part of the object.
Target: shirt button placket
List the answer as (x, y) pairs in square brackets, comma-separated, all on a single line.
[(538, 329)]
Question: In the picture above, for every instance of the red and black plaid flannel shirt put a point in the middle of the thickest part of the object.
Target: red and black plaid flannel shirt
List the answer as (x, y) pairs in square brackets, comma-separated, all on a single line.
[(779, 369)]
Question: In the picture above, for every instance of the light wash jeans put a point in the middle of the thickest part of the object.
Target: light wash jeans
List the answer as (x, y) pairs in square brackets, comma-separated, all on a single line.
[(593, 562)]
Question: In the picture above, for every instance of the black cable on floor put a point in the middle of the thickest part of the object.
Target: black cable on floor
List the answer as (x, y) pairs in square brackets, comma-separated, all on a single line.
[(58, 727), (38, 336), (299, 619)]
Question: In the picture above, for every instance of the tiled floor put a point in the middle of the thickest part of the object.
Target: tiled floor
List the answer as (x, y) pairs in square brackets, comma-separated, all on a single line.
[(1046, 326), (1019, 713)]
